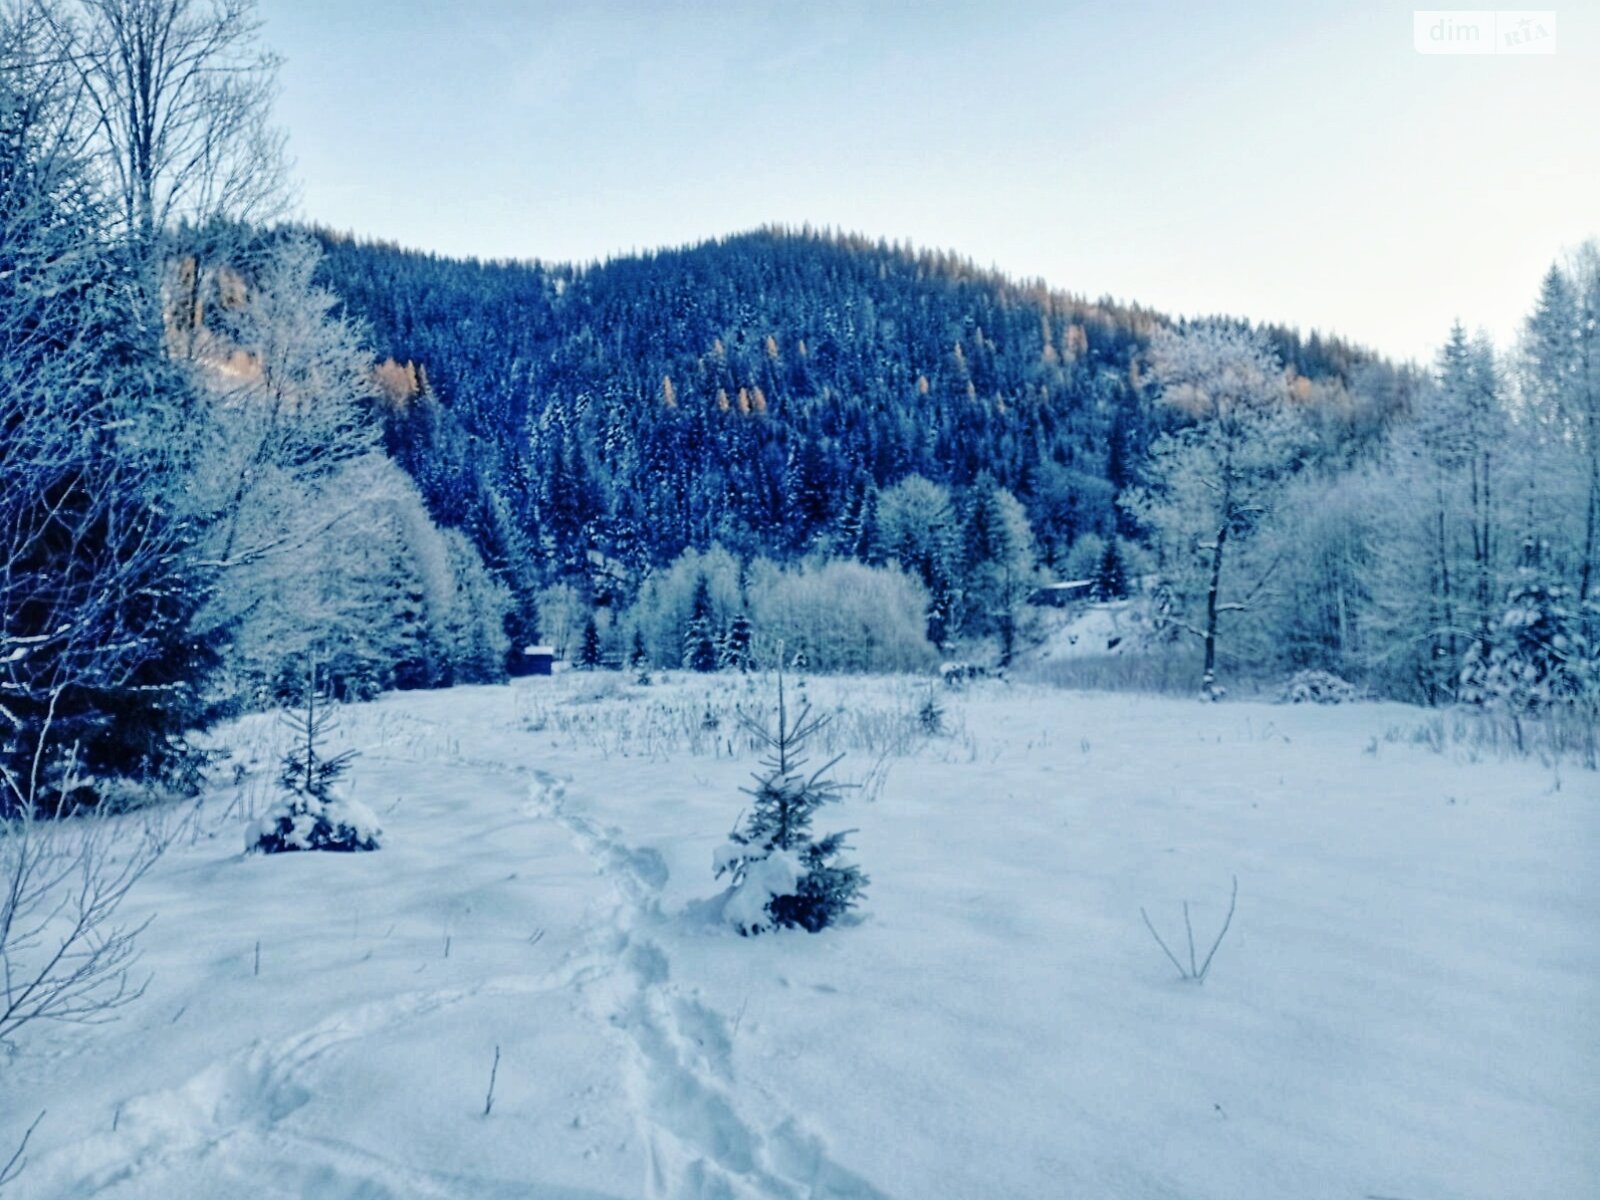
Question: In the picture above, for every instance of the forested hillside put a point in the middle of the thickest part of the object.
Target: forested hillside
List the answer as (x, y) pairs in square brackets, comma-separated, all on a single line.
[(760, 390)]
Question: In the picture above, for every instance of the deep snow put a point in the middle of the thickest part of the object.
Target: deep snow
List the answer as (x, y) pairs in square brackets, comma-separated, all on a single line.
[(1406, 1006)]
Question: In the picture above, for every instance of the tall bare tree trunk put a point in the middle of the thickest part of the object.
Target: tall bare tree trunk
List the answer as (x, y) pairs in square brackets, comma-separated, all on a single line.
[(1208, 680)]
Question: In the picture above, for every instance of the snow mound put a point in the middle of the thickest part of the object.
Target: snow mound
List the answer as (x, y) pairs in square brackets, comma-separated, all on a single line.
[(764, 878)]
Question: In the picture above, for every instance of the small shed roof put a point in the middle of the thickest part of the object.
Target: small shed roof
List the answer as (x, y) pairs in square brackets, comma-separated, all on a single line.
[(550, 650)]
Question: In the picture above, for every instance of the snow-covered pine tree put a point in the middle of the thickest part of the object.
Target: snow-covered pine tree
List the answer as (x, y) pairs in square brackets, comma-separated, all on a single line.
[(1538, 658), (1110, 575), (700, 641), (589, 655), (780, 874), (313, 814), (736, 653)]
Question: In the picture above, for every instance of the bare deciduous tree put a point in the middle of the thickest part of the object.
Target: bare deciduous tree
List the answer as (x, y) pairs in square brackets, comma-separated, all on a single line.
[(176, 103)]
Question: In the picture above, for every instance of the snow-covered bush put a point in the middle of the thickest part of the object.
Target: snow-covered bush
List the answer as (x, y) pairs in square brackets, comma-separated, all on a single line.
[(957, 675), (780, 875), (1538, 660), (840, 616), (314, 814), (1317, 687)]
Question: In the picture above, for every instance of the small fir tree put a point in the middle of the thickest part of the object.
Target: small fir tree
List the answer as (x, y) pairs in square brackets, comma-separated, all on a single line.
[(313, 815), (780, 874)]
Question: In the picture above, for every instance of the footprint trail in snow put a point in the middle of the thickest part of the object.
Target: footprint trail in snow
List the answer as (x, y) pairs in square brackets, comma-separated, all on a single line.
[(702, 1144)]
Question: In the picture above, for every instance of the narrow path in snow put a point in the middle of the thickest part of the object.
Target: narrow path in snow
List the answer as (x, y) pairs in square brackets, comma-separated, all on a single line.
[(682, 1075)]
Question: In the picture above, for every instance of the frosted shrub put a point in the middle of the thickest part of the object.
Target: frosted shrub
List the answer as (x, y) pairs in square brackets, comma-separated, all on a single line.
[(841, 616), (1317, 687), (1538, 659)]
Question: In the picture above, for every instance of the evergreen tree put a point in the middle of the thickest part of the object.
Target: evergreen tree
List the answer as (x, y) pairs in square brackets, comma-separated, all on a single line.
[(700, 641), (1110, 576), (736, 649), (1538, 658), (102, 671), (589, 655), (313, 815), (780, 874)]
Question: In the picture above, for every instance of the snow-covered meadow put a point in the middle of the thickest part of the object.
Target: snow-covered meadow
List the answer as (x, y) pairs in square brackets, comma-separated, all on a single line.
[(1405, 1005)]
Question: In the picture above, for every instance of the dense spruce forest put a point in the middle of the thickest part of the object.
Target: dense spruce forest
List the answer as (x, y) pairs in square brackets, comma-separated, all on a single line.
[(761, 391)]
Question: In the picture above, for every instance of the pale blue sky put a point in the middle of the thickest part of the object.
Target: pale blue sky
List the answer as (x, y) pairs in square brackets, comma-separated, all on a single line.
[(1296, 162)]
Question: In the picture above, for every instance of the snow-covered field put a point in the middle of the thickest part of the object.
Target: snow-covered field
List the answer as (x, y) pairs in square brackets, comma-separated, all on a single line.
[(1407, 1004)]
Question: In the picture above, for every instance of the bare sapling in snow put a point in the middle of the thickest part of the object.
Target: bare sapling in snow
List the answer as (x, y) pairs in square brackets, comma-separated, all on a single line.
[(314, 814), (1196, 969), (12, 1167), (494, 1075), (64, 953), (780, 875)]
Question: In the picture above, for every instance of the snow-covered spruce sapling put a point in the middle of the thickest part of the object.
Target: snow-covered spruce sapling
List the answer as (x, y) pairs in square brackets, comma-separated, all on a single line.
[(313, 814), (780, 874)]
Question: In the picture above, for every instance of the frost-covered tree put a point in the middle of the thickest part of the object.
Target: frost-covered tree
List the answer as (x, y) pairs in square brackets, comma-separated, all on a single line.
[(918, 529), (780, 874), (294, 391), (1111, 573), (383, 598), (100, 669), (737, 652), (314, 813), (1537, 658), (841, 615), (1560, 379), (664, 606), (700, 639), (998, 565), (1327, 541), (562, 612), (1214, 481), (1439, 513), (589, 656)]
